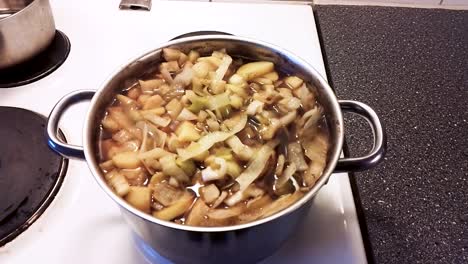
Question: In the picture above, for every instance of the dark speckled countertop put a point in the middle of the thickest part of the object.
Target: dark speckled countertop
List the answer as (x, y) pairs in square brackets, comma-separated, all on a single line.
[(411, 66)]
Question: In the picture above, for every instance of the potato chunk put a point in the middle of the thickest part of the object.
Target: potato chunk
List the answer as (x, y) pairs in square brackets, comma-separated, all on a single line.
[(293, 81), (209, 193), (197, 214), (118, 182), (273, 76), (140, 198), (171, 54), (153, 102), (173, 108), (253, 70), (126, 160), (187, 132), (150, 85), (166, 194), (176, 209)]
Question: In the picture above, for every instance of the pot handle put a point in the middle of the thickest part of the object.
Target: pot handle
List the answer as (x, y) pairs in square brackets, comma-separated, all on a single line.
[(57, 145), (380, 139)]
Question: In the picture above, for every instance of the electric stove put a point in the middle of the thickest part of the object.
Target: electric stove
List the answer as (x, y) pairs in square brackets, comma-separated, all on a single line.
[(79, 223)]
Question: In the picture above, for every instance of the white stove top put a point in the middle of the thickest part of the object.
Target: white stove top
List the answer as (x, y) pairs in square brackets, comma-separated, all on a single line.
[(83, 225)]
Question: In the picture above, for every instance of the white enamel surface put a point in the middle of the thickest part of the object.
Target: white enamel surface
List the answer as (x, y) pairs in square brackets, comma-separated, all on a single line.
[(83, 225)]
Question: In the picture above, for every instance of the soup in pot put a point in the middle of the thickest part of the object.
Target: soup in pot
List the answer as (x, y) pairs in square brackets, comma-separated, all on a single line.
[(213, 140)]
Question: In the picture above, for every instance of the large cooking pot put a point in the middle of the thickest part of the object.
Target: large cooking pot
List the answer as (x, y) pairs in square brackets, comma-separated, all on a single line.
[(244, 243), (26, 28)]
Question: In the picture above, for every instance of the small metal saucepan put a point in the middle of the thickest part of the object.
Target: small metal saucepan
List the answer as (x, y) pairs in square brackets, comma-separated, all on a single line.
[(26, 28), (244, 243)]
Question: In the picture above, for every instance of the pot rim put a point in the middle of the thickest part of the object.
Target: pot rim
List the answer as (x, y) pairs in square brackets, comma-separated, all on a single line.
[(22, 10), (321, 84)]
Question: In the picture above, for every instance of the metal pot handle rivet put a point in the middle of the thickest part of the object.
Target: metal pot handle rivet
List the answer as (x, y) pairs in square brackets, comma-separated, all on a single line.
[(380, 139), (57, 145)]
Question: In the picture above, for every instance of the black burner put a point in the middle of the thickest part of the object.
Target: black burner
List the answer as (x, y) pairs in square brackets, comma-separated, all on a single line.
[(30, 173), (38, 67)]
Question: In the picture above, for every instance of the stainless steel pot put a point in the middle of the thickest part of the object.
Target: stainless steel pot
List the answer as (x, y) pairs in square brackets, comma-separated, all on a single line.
[(26, 28), (232, 244)]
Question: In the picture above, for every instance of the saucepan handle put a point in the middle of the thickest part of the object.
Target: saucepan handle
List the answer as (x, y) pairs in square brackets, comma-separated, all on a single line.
[(380, 139), (62, 148)]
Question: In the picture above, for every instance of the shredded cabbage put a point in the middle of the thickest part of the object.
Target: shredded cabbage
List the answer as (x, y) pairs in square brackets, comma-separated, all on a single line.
[(207, 141), (257, 165), (223, 67), (242, 151)]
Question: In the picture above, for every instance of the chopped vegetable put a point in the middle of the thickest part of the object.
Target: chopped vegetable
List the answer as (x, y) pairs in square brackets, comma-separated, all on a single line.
[(174, 107), (213, 61), (279, 165), (296, 157), (126, 160), (134, 93), (170, 66), (119, 183), (193, 56), (287, 174), (215, 172), (209, 193), (107, 165), (316, 150), (173, 182), (310, 120), (254, 107), (150, 85), (188, 166), (117, 114), (236, 101), (225, 213), (233, 169), (125, 100), (202, 68), (155, 153), (223, 67), (206, 142), (244, 152), (186, 115), (140, 198), (122, 136), (187, 132), (171, 54), (253, 70), (218, 101), (261, 80), (293, 81), (281, 203), (157, 120), (273, 76), (197, 216), (251, 191), (110, 124), (220, 199), (176, 209), (156, 178), (256, 167), (288, 118), (306, 96), (153, 102), (166, 194), (170, 168), (185, 77)]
